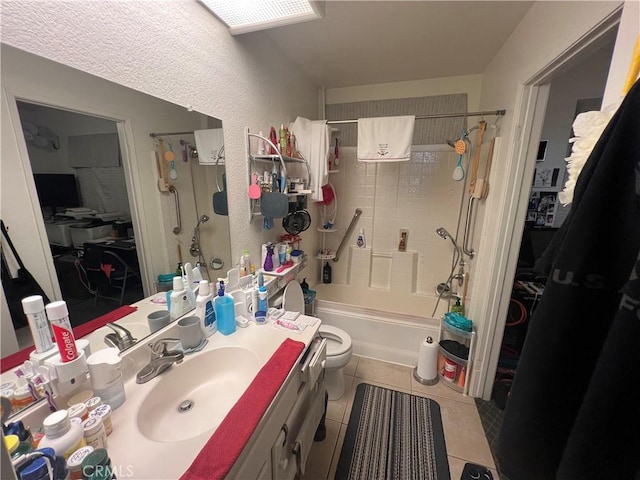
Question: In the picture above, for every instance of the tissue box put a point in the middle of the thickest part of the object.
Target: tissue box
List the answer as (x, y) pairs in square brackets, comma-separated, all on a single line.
[(81, 234)]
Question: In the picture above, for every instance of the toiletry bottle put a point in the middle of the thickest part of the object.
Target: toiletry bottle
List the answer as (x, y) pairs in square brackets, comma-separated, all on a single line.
[(283, 140), (268, 261), (458, 307), (304, 285), (225, 312), (61, 434), (33, 308), (243, 266), (204, 309), (261, 312), (58, 316), (179, 299), (326, 273), (187, 281), (273, 137), (262, 146), (360, 242)]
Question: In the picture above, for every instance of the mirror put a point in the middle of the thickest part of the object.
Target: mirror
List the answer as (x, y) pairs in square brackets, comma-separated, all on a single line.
[(63, 129)]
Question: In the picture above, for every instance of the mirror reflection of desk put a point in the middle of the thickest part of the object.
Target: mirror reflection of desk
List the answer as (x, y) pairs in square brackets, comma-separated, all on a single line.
[(125, 248)]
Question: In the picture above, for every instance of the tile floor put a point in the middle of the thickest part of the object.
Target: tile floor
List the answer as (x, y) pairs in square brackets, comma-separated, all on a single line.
[(464, 435)]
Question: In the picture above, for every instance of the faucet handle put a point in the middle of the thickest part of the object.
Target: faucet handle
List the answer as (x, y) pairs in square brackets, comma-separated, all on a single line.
[(159, 347)]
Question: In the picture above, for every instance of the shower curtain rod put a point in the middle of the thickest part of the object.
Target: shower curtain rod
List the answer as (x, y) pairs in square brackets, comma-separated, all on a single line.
[(166, 134), (498, 113)]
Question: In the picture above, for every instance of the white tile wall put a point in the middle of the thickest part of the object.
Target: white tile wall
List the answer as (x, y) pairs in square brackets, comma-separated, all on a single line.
[(419, 195)]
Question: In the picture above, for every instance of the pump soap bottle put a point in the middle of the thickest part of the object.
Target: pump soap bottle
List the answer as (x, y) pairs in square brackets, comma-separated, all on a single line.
[(326, 273)]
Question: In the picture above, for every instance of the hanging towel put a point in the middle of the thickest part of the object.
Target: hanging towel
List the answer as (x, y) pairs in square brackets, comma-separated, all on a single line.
[(385, 139), (209, 144), (313, 141)]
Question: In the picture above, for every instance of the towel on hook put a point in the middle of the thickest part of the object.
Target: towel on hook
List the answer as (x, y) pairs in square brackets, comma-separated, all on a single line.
[(209, 144), (313, 141), (385, 139)]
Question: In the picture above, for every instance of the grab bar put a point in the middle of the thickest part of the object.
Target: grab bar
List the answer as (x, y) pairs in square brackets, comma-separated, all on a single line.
[(354, 220), (174, 190), (465, 249)]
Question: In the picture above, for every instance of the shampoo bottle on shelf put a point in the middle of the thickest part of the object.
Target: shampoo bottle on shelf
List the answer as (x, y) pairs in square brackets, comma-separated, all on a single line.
[(326, 273), (205, 310), (360, 241)]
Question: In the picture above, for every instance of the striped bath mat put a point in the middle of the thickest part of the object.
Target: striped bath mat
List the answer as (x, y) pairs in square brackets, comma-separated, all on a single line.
[(393, 435)]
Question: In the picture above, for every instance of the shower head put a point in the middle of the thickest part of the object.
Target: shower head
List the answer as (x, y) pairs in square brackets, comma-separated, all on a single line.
[(445, 234)]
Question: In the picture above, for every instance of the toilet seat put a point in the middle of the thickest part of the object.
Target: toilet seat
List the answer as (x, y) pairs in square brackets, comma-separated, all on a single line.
[(338, 341), (293, 297)]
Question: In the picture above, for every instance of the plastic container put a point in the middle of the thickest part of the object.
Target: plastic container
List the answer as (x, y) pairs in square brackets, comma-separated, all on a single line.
[(22, 398), (225, 314), (79, 410), (58, 316), (104, 412), (38, 469), (95, 435), (97, 465), (205, 310), (93, 403), (33, 308), (105, 370), (74, 463), (61, 434)]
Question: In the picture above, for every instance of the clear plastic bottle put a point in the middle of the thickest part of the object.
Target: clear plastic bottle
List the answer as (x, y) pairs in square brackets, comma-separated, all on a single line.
[(33, 308), (179, 299), (61, 434), (58, 316), (261, 312)]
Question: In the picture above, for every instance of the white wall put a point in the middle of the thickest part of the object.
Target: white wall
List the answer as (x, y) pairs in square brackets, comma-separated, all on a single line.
[(173, 50)]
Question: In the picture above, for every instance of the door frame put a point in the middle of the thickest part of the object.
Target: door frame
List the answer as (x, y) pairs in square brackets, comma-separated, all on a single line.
[(529, 111), (132, 181)]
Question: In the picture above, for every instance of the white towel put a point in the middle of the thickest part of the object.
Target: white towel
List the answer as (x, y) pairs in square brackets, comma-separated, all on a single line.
[(313, 139), (385, 139), (209, 144)]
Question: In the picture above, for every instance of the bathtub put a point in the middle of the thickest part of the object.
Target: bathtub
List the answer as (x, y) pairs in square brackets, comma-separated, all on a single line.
[(383, 325)]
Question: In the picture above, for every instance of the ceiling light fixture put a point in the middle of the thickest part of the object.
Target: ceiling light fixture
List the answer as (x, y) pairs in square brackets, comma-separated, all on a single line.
[(243, 16)]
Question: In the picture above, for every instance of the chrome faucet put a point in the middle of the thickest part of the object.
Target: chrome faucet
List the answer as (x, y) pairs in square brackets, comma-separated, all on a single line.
[(161, 359), (121, 338)]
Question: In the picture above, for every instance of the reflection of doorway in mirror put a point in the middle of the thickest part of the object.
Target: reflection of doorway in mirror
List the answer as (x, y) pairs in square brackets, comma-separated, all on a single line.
[(82, 153)]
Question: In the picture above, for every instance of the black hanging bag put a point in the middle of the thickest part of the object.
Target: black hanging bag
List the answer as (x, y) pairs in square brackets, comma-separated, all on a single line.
[(19, 287)]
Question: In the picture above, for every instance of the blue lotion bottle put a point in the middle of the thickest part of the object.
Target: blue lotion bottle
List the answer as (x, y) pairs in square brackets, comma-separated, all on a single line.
[(225, 312)]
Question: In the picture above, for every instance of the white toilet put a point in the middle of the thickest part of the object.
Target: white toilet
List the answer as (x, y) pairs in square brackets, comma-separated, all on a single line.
[(338, 343)]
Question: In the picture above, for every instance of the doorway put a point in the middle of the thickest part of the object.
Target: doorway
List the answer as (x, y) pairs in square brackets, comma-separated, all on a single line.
[(77, 168)]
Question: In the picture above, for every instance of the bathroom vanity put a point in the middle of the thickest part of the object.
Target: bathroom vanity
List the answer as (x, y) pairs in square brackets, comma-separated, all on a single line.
[(153, 439)]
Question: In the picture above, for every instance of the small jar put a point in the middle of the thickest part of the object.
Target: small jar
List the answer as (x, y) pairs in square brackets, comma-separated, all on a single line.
[(104, 412), (95, 435), (61, 434), (9, 394), (22, 398), (79, 410), (93, 403), (97, 466), (74, 463)]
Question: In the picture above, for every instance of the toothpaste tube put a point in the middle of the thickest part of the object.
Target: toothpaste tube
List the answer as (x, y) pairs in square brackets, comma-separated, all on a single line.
[(58, 316), (288, 325)]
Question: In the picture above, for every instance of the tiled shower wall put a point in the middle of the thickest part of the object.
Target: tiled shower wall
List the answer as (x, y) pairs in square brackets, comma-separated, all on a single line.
[(420, 196)]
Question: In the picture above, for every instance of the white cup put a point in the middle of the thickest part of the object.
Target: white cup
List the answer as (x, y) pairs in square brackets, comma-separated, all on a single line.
[(190, 332), (158, 319)]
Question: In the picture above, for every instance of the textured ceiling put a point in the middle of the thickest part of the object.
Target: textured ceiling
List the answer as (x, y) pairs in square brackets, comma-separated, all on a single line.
[(367, 42)]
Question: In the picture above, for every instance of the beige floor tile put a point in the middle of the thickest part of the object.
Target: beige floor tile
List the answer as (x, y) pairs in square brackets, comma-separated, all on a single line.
[(336, 408), (383, 372), (321, 453), (350, 369), (439, 390), (464, 434), (336, 453)]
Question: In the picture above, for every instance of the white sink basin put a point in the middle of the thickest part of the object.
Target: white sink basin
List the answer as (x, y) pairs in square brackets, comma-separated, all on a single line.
[(207, 386)]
